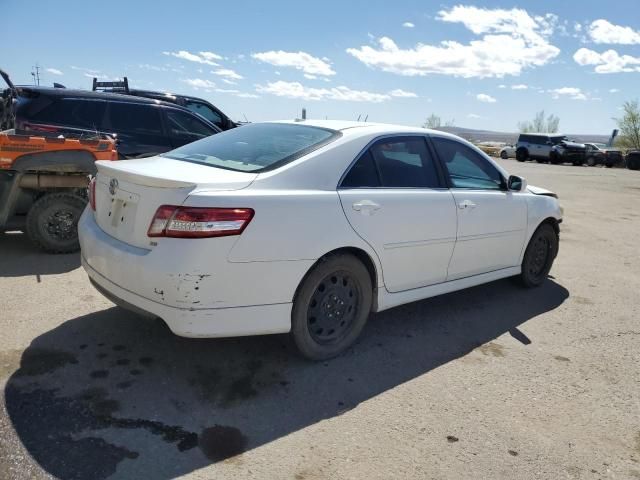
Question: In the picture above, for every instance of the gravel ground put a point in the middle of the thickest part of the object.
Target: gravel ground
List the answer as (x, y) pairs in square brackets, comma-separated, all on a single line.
[(491, 382)]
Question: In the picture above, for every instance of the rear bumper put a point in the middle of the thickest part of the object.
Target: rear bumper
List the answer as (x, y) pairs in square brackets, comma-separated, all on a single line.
[(191, 285), (210, 322)]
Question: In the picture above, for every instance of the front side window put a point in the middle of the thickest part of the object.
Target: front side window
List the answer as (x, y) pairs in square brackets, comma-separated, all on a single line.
[(204, 111), (466, 167), (256, 147), (398, 162), (181, 124)]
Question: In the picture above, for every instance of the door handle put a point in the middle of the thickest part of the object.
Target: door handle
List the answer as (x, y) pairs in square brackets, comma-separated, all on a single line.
[(366, 207), (466, 204)]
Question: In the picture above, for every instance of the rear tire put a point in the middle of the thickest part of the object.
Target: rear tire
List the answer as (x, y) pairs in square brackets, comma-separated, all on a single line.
[(331, 307), (539, 256), (591, 161), (522, 154), (504, 155), (52, 222)]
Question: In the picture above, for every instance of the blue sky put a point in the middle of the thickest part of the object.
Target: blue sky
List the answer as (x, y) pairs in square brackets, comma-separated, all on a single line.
[(483, 64)]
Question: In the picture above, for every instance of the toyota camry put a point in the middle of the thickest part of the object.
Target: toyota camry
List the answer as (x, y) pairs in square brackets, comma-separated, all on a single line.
[(307, 227)]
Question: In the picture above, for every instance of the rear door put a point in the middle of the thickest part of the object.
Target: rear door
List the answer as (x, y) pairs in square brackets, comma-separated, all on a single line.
[(492, 221), (138, 127), (394, 198)]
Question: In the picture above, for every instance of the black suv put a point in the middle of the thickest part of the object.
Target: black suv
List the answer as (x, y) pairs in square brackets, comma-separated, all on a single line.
[(195, 104), (142, 126)]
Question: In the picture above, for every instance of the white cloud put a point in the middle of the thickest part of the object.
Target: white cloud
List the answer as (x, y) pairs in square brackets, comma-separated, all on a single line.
[(199, 83), (483, 97), (613, 90), (398, 92), (511, 41), (607, 62), (408, 25), (474, 116), (227, 73), (247, 95), (54, 71), (84, 69), (96, 75), (310, 77), (203, 57), (229, 82), (299, 60), (226, 90), (520, 86), (155, 68), (603, 31), (502, 86), (569, 92), (342, 93)]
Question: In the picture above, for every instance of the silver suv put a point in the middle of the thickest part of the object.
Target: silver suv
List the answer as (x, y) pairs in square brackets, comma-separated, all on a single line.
[(537, 146)]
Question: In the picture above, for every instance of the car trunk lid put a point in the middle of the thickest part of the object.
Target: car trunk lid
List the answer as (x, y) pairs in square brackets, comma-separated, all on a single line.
[(129, 192)]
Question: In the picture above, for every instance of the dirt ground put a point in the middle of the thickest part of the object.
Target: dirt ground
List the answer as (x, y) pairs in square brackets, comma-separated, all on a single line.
[(492, 382)]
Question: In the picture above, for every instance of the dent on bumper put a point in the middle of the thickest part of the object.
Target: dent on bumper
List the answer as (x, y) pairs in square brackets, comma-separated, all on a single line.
[(204, 322)]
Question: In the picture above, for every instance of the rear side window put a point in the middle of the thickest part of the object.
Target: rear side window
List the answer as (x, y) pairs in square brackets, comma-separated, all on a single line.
[(399, 162), (256, 147), (363, 173), (466, 167), (135, 118), (73, 112)]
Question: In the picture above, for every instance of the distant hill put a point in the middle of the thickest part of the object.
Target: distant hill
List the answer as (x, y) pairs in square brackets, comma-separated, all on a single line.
[(509, 137)]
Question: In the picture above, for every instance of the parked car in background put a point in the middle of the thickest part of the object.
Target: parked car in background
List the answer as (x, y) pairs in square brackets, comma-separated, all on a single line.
[(195, 104), (508, 151), (142, 126), (537, 146), (567, 151), (229, 236), (633, 160), (601, 154)]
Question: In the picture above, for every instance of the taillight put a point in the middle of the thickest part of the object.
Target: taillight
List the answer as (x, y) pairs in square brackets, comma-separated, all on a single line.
[(198, 222), (91, 193)]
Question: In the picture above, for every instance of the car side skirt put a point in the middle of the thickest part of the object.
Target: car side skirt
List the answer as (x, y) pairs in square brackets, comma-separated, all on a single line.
[(388, 300)]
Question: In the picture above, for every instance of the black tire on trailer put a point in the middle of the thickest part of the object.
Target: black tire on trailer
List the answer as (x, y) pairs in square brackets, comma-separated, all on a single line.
[(539, 256), (522, 154), (331, 306), (52, 222)]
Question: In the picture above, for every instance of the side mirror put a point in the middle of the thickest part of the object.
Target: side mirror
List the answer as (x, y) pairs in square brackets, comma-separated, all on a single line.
[(516, 184)]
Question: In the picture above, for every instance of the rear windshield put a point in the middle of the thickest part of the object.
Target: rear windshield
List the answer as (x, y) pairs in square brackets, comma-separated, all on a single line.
[(256, 147)]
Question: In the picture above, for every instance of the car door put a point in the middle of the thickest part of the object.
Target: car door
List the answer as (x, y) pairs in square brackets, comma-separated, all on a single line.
[(138, 127), (492, 221), (395, 199), (185, 127)]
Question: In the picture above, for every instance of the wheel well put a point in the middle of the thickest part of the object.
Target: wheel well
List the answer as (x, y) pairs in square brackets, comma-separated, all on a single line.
[(553, 222), (360, 255)]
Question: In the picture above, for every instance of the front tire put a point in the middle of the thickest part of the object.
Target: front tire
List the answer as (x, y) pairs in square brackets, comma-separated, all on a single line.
[(539, 256), (52, 222), (592, 162), (331, 307)]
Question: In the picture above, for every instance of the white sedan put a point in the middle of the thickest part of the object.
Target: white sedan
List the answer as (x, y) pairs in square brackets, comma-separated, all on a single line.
[(508, 151), (307, 227)]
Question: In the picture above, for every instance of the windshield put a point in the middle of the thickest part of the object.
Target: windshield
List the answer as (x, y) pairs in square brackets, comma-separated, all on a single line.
[(256, 147)]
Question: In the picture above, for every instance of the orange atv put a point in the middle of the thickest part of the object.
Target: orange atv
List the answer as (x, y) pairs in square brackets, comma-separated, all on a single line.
[(43, 184)]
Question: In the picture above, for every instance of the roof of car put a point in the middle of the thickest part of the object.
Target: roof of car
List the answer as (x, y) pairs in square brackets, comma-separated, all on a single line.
[(544, 134), (68, 92), (352, 126)]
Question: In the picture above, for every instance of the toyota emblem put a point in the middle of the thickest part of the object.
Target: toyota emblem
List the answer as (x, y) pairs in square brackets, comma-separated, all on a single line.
[(113, 186)]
